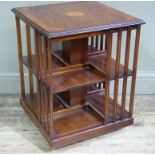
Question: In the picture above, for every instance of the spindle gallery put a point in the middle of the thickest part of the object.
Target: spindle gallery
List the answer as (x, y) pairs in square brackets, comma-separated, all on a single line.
[(68, 95)]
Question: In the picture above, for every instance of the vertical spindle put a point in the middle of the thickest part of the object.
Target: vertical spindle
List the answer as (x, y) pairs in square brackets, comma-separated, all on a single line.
[(126, 64), (96, 42), (36, 37), (45, 92), (92, 41), (20, 56), (49, 57), (107, 81), (101, 43), (117, 67), (106, 42), (135, 60), (29, 53), (41, 80)]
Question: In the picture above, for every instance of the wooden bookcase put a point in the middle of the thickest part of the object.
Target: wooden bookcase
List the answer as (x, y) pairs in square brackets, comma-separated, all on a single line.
[(69, 97)]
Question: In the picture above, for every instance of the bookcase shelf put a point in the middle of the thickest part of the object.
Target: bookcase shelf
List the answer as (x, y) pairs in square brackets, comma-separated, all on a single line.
[(76, 78), (70, 96), (80, 119), (31, 63), (99, 61)]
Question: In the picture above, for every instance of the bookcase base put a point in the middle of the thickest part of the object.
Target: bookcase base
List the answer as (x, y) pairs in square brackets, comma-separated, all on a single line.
[(95, 131)]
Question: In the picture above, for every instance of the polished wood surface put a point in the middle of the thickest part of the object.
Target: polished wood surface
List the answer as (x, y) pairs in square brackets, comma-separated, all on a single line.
[(99, 60), (55, 20), (96, 100), (69, 96), (76, 78)]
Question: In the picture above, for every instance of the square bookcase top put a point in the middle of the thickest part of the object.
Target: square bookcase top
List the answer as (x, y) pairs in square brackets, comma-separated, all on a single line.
[(65, 19)]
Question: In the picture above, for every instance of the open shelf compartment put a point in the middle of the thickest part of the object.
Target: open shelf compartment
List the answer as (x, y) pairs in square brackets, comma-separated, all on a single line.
[(78, 118), (86, 116), (31, 63), (31, 102), (98, 59), (81, 75), (96, 101)]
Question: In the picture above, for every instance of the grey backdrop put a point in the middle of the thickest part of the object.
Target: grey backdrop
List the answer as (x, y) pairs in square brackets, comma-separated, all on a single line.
[(9, 73)]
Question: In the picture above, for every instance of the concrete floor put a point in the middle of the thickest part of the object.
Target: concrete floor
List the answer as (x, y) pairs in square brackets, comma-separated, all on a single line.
[(19, 135)]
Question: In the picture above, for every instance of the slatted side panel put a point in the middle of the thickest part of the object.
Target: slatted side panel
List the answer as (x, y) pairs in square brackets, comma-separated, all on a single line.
[(39, 97), (123, 107)]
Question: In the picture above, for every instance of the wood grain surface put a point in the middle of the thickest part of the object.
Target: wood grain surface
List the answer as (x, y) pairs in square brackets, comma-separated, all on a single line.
[(55, 20)]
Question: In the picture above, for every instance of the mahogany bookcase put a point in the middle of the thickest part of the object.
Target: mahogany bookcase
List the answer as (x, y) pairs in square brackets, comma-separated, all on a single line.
[(69, 97)]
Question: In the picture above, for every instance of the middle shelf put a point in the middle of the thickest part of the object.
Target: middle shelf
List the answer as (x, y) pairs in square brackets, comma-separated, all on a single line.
[(66, 77), (79, 76)]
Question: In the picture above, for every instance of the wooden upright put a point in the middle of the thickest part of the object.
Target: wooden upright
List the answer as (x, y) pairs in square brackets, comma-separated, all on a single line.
[(69, 96)]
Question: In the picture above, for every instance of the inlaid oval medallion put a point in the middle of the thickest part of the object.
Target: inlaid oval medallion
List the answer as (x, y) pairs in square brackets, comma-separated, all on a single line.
[(75, 14)]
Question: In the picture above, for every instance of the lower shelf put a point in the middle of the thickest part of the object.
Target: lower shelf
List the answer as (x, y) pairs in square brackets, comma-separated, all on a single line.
[(31, 102), (79, 119), (78, 122)]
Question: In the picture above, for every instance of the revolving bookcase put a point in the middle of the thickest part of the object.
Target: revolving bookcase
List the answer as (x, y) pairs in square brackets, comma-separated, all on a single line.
[(78, 59)]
